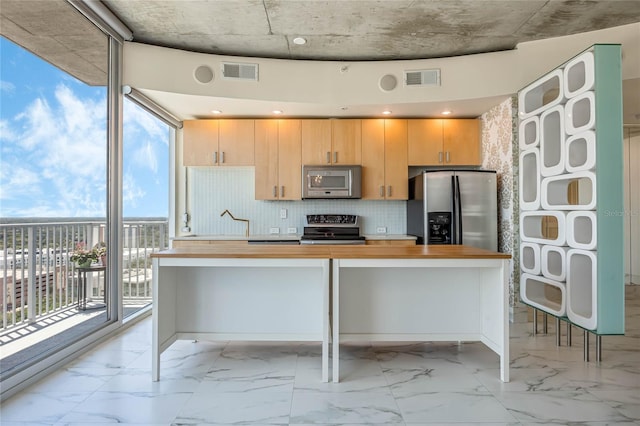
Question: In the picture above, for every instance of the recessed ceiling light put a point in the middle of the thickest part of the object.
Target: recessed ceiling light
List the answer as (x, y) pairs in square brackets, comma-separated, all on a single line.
[(446, 112), (277, 111), (216, 111), (386, 112), (300, 41)]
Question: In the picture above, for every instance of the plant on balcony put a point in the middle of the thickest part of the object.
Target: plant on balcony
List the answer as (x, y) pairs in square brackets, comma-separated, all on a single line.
[(82, 256), (101, 252)]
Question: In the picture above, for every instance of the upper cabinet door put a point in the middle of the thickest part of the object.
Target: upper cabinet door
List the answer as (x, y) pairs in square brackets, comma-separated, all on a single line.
[(346, 141), (373, 183), (266, 152), (461, 142), (316, 141), (396, 172), (289, 160), (200, 142), (236, 143), (425, 142)]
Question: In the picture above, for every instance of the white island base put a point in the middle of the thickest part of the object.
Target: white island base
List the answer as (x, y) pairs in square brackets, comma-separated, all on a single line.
[(240, 299), (417, 300)]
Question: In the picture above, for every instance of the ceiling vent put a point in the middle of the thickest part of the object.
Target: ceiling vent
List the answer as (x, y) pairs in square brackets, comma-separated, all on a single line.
[(238, 71), (416, 78)]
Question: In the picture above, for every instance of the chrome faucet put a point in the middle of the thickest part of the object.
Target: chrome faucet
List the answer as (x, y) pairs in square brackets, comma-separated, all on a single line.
[(239, 220)]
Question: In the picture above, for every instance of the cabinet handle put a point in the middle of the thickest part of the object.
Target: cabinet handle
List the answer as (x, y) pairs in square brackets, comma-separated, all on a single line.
[(282, 191), (275, 191), (448, 157), (335, 157), (389, 191), (328, 157), (440, 157), (381, 191), (222, 157), (215, 157)]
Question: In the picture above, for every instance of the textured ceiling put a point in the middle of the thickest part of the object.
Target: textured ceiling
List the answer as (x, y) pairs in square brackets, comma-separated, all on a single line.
[(361, 29), (335, 30)]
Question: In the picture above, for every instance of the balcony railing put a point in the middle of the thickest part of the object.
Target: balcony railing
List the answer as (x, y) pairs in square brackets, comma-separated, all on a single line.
[(38, 278)]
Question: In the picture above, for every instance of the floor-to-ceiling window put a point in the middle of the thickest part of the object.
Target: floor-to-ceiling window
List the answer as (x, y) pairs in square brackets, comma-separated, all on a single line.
[(145, 202), (53, 201)]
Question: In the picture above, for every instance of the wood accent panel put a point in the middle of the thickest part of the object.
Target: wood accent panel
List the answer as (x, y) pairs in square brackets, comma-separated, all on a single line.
[(207, 243), (199, 142), (310, 251), (316, 141), (424, 138), (391, 242)]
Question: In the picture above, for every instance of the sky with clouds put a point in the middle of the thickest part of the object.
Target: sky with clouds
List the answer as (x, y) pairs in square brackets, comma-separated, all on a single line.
[(53, 145)]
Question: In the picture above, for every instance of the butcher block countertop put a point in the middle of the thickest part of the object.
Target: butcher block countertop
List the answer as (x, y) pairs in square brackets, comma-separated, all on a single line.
[(331, 252)]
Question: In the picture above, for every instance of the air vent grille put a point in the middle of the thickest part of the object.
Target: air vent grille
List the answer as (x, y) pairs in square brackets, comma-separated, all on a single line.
[(422, 78), (238, 71)]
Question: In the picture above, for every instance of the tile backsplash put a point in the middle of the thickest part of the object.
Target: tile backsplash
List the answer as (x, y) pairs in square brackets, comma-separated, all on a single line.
[(214, 189)]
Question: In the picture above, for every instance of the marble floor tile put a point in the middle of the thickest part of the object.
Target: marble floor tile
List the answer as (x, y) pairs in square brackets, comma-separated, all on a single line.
[(554, 406), (127, 407), (453, 407), (227, 380), (41, 407), (244, 408), (340, 408), (382, 383)]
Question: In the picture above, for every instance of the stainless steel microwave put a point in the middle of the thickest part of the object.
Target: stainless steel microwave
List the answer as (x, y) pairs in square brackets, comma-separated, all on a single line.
[(331, 182)]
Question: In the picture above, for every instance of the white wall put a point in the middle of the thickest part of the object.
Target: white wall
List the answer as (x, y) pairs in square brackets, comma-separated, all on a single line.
[(466, 77), (632, 204)]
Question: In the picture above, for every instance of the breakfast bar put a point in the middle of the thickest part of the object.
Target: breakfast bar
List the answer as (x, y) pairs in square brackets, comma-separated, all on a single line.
[(281, 293)]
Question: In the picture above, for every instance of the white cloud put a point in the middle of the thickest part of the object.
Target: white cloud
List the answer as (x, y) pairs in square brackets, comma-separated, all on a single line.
[(53, 157), (6, 132), (131, 192), (63, 152), (7, 86), (138, 120), (146, 157)]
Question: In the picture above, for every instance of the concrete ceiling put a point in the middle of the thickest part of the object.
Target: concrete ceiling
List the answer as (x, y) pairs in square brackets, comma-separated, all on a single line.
[(354, 30)]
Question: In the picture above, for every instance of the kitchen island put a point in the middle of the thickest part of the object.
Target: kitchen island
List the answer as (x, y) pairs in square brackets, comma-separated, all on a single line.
[(281, 293)]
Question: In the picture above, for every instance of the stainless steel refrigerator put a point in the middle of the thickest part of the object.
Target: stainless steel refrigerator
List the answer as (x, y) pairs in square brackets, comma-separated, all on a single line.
[(454, 207)]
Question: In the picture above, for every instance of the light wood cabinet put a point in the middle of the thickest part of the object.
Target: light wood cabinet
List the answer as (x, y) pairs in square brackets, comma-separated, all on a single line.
[(278, 171), (199, 142), (385, 172), (346, 138), (218, 143), (436, 142), (235, 142), (425, 142), (461, 142), (331, 141)]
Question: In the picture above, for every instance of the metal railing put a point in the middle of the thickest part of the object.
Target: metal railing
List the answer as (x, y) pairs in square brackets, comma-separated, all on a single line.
[(38, 278)]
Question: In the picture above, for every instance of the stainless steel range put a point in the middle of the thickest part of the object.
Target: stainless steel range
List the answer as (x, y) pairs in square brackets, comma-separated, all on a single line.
[(332, 229)]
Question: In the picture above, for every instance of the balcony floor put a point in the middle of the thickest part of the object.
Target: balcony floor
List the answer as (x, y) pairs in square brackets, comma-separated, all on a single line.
[(27, 342), (392, 384)]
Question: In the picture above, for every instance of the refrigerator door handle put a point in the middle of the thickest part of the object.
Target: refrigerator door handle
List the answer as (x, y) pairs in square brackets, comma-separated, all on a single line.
[(454, 222), (459, 212)]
